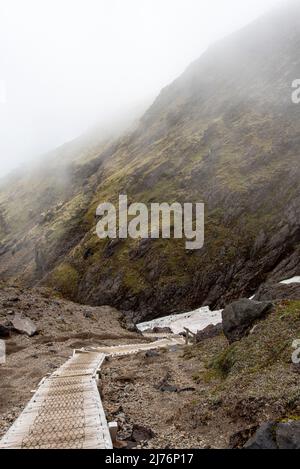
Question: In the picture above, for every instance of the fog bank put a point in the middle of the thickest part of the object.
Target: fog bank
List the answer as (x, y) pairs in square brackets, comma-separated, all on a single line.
[(68, 65)]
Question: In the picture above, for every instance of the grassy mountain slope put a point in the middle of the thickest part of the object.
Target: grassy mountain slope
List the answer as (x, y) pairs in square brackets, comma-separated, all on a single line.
[(224, 392), (226, 133)]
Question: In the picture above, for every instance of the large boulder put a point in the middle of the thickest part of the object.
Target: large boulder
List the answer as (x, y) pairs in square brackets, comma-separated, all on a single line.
[(278, 291), (24, 325), (4, 331), (288, 435), (141, 433), (274, 435), (238, 317), (209, 332), (161, 330), (263, 438)]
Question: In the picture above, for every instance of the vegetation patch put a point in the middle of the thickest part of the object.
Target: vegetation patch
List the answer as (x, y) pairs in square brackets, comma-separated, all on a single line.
[(65, 279), (224, 361)]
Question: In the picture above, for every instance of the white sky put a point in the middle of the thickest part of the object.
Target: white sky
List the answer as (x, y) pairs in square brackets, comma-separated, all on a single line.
[(66, 65)]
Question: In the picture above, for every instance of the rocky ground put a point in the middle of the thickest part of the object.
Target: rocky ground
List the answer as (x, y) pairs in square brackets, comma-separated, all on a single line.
[(237, 152), (209, 395), (61, 327)]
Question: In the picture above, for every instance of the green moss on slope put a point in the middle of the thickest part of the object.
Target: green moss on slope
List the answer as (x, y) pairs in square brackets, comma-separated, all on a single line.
[(65, 279)]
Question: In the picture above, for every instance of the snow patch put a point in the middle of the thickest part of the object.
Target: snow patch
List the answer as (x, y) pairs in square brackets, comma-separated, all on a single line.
[(291, 280), (194, 320)]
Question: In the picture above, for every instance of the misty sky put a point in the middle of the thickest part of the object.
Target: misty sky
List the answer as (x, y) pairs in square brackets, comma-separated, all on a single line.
[(67, 65)]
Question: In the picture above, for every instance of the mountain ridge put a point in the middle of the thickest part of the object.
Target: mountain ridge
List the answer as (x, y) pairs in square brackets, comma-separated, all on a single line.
[(226, 133)]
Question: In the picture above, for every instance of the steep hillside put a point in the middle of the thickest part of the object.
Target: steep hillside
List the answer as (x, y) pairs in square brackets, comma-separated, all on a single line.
[(211, 395), (227, 133), (61, 327)]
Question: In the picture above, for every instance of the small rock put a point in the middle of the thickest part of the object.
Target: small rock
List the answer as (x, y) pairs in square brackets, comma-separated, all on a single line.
[(52, 366), (276, 435), (239, 439), (131, 445), (209, 332), (141, 433), (4, 332), (173, 348), (278, 291), (24, 325), (288, 435), (296, 344), (88, 314), (263, 438), (162, 330), (168, 388), (14, 299), (88, 253), (151, 354), (189, 389), (253, 329), (239, 317)]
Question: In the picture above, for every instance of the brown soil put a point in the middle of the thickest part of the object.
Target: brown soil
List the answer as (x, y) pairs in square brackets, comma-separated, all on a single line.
[(62, 326), (230, 389), (189, 397)]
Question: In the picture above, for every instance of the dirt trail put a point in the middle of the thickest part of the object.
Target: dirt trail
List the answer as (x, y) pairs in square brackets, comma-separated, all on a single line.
[(149, 391), (208, 395), (62, 326), (66, 410)]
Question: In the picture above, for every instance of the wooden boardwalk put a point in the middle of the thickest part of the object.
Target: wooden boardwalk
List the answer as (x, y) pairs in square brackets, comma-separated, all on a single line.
[(120, 350), (66, 410)]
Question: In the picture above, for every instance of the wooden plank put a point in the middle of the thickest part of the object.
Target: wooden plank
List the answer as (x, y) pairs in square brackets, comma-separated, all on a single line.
[(66, 410)]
